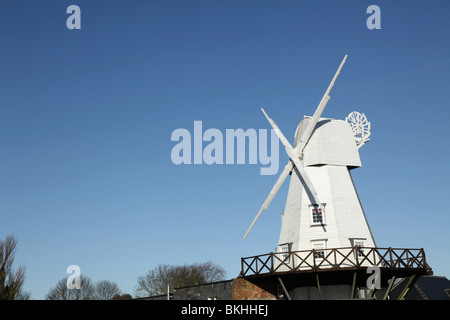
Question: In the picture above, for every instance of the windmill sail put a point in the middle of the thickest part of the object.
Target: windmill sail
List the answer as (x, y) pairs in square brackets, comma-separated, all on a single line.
[(295, 157)]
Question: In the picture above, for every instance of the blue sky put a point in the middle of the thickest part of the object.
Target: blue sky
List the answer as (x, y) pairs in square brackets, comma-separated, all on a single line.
[(86, 118)]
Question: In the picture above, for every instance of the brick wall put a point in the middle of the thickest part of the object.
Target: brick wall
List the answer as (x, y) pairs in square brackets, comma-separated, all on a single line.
[(246, 290)]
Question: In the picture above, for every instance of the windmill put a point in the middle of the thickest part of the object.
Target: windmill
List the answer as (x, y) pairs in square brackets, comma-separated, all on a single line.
[(323, 227), (322, 208)]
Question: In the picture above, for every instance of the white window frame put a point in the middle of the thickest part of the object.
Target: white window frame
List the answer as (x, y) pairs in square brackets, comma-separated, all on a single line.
[(285, 248), (360, 243), (313, 207), (319, 245)]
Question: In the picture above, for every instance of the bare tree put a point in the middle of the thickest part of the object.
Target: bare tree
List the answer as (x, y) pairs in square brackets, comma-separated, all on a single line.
[(61, 292), (11, 281), (105, 290), (155, 282), (125, 296), (210, 271), (102, 290)]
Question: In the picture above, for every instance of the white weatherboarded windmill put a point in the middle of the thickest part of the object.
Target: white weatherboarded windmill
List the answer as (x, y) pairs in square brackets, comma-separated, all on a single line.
[(322, 208), (324, 230)]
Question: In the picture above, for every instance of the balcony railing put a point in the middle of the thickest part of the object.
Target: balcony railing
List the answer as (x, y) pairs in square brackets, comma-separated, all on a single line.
[(334, 259)]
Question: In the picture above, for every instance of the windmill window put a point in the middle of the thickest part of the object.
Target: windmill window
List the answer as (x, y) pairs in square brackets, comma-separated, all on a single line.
[(317, 245), (319, 254), (317, 214), (359, 244), (285, 248)]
